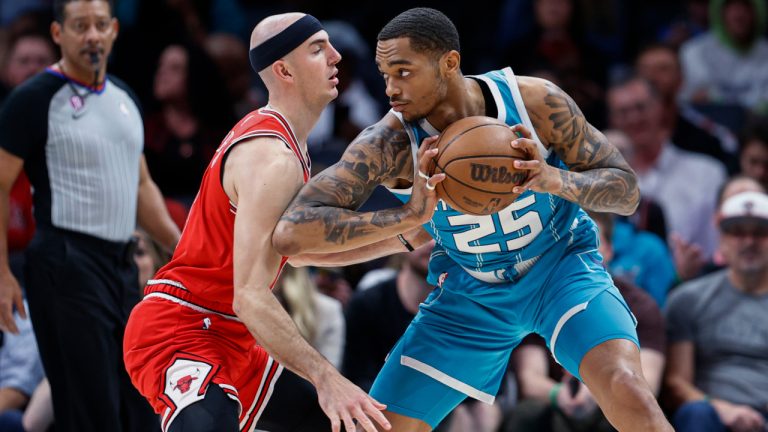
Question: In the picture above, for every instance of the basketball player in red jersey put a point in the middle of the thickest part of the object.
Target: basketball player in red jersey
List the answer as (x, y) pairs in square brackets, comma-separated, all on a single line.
[(189, 345)]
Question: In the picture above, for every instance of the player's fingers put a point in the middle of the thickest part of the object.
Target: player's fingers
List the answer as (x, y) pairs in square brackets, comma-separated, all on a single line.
[(521, 130), (426, 161), (335, 423), (349, 425), (526, 145), (6, 318), (522, 188), (527, 165), (376, 404), (373, 410), (427, 144), (18, 301), (363, 420), (434, 180)]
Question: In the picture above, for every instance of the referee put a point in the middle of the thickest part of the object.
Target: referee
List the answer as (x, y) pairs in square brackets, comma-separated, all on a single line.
[(78, 133)]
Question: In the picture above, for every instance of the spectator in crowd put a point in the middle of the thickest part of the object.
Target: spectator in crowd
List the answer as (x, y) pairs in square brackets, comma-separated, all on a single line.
[(551, 399), (666, 173), (148, 255), (20, 369), (231, 57), (753, 153), (556, 44), (693, 22), (193, 113), (649, 216), (727, 64), (38, 415), (691, 130), (717, 375), (78, 133), (28, 54), (318, 317)]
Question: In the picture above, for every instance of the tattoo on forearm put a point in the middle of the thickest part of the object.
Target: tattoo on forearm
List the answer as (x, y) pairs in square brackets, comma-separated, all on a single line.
[(600, 179), (377, 155)]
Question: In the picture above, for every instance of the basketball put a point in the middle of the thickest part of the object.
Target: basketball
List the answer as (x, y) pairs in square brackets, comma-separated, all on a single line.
[(476, 156)]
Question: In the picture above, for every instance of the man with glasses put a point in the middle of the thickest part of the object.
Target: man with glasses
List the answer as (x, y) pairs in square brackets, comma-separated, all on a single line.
[(718, 330), (683, 183)]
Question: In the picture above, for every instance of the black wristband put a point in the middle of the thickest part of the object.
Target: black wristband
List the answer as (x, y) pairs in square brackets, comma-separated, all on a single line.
[(405, 242)]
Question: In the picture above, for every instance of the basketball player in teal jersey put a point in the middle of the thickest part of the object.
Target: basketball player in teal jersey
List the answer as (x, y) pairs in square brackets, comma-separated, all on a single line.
[(531, 268)]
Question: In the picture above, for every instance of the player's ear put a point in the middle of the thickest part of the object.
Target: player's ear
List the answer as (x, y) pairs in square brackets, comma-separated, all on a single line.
[(451, 61), (281, 70)]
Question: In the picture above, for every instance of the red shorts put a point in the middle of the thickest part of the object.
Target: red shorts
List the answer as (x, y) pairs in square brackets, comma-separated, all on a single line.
[(174, 350)]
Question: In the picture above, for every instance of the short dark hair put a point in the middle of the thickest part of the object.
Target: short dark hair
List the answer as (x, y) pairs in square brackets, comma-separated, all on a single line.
[(756, 129), (630, 76), (429, 30), (60, 5)]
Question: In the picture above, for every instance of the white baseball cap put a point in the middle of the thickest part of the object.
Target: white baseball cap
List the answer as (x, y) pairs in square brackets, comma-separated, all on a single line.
[(746, 206)]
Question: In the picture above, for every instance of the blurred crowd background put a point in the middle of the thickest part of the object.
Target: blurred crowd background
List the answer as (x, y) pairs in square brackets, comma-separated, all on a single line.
[(681, 87)]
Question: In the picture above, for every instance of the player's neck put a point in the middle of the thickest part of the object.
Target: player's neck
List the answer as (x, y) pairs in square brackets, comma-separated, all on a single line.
[(301, 119), (464, 98)]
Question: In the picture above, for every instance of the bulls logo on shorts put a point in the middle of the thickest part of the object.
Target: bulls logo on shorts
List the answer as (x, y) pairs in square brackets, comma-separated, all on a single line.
[(185, 384)]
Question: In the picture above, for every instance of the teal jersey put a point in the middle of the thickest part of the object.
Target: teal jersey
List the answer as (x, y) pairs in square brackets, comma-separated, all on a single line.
[(505, 245)]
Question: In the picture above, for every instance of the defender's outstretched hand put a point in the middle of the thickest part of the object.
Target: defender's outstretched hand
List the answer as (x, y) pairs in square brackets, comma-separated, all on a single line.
[(344, 402)]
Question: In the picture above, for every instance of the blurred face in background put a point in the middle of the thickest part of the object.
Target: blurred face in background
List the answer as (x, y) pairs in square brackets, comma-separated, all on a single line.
[(28, 56), (754, 161), (745, 246), (739, 20), (171, 76), (144, 258), (553, 14), (660, 66), (635, 111)]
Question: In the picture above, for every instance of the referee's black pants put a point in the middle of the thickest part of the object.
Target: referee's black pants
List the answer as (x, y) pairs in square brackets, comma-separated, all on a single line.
[(80, 291)]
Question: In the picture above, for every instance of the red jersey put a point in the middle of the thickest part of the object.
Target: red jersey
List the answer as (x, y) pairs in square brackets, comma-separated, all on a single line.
[(200, 274)]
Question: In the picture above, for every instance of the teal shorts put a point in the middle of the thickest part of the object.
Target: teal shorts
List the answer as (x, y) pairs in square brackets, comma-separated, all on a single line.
[(460, 341)]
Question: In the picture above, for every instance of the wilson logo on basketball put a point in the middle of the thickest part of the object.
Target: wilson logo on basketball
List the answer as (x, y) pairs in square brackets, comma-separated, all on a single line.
[(500, 175)]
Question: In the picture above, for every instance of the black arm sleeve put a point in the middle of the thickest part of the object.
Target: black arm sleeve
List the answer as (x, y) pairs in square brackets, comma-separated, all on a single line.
[(24, 115)]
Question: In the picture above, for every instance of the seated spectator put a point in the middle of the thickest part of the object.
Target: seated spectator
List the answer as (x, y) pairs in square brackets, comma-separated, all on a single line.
[(231, 57), (642, 259), (37, 417), (717, 375), (691, 130), (648, 216), (727, 64), (681, 182), (550, 399), (557, 43), (20, 367), (28, 54), (753, 153), (318, 317), (192, 117)]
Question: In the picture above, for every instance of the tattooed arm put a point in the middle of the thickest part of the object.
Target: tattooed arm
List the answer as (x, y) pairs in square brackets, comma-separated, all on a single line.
[(599, 178), (323, 217)]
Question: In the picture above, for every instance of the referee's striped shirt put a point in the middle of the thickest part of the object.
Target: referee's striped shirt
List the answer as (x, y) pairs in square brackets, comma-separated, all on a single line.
[(81, 153)]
